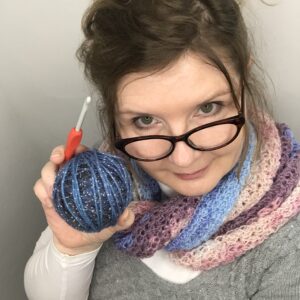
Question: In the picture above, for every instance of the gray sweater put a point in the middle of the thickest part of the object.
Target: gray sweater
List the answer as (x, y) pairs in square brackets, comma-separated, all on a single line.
[(270, 271)]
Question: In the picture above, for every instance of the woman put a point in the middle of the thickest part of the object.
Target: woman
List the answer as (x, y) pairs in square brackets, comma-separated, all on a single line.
[(180, 100)]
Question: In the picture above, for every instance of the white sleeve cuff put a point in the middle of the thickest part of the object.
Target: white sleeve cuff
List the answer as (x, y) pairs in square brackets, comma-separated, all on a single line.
[(50, 275)]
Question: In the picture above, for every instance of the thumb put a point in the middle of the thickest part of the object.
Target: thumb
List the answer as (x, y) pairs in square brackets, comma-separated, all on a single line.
[(125, 220)]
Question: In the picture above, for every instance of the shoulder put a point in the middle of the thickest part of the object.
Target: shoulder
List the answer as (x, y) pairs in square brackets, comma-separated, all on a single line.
[(275, 265)]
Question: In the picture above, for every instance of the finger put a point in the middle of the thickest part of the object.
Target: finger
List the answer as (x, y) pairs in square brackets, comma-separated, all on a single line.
[(58, 155), (125, 220), (48, 175), (41, 194), (81, 148)]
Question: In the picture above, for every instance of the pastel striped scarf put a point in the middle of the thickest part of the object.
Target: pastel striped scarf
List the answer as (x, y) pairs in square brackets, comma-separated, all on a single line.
[(238, 215)]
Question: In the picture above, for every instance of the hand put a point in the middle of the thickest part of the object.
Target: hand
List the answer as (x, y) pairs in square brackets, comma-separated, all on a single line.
[(67, 239)]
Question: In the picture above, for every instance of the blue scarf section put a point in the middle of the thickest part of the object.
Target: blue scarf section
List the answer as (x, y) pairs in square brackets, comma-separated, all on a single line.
[(213, 208)]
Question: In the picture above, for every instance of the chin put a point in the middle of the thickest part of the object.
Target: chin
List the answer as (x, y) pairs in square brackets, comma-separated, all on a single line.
[(194, 189)]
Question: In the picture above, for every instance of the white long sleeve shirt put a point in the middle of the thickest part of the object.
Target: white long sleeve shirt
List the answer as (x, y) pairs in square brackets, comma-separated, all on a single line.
[(51, 275)]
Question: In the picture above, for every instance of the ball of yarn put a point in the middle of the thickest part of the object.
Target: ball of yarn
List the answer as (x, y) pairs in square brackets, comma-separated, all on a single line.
[(92, 190)]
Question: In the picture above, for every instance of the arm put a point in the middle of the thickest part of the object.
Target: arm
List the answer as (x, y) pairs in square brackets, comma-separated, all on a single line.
[(49, 274), (63, 260)]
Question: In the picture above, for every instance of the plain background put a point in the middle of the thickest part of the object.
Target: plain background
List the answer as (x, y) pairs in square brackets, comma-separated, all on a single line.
[(41, 94)]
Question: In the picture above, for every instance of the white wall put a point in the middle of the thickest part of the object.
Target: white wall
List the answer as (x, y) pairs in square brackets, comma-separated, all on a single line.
[(276, 30), (41, 93)]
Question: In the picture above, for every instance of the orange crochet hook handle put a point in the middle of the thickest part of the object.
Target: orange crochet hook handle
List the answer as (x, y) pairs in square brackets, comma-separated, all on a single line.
[(75, 134), (73, 141)]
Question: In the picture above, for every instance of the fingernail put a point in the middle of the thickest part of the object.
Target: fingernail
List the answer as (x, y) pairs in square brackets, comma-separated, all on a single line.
[(55, 154), (125, 214)]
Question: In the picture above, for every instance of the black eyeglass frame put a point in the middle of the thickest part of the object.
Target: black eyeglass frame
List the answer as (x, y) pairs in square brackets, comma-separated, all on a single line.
[(237, 120)]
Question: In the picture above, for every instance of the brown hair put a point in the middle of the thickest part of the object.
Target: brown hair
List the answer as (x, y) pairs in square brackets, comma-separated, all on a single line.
[(124, 36)]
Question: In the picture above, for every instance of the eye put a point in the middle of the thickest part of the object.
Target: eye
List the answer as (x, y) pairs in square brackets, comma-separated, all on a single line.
[(144, 121), (210, 108)]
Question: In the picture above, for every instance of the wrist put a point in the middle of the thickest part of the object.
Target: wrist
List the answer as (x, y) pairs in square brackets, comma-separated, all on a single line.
[(76, 250)]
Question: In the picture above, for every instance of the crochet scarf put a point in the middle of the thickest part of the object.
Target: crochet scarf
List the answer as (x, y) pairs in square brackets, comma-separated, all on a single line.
[(236, 216)]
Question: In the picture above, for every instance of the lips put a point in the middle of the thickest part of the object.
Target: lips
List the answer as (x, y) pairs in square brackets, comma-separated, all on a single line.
[(191, 176)]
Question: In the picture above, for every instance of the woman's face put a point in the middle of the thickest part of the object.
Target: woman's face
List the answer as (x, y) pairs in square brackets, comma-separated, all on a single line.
[(171, 102)]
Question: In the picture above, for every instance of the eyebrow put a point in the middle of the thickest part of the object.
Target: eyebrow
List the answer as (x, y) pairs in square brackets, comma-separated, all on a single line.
[(136, 112)]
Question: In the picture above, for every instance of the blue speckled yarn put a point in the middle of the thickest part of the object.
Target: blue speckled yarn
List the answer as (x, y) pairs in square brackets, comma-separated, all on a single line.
[(92, 190), (148, 187)]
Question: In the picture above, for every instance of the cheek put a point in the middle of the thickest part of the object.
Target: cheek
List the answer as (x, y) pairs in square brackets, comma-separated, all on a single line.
[(151, 167), (231, 154)]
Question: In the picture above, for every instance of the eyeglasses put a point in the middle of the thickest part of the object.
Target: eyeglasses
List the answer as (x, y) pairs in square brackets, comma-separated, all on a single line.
[(207, 137)]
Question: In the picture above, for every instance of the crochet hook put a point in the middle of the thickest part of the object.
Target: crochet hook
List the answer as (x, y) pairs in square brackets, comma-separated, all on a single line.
[(75, 134)]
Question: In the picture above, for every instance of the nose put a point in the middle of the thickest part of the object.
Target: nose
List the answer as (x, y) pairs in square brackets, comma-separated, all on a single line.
[(183, 155)]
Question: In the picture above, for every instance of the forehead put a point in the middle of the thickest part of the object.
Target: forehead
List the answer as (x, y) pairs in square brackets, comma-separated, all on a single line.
[(190, 77)]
